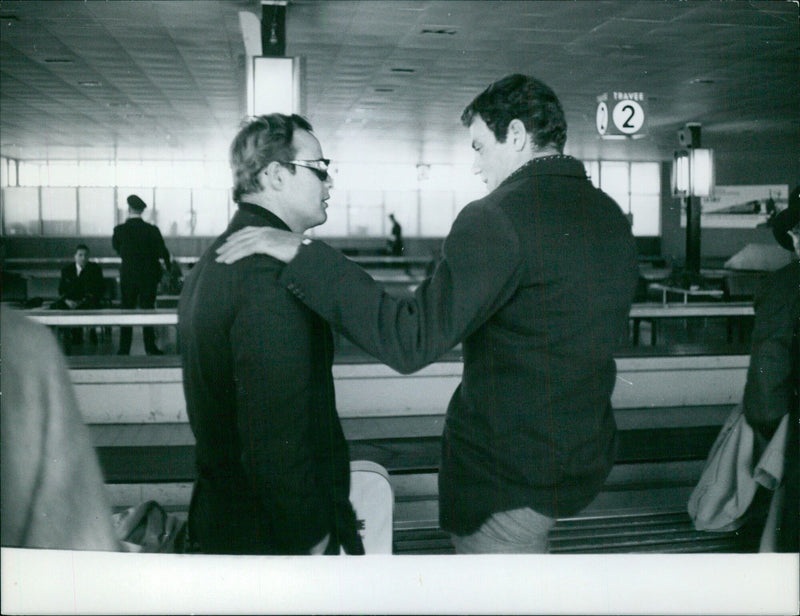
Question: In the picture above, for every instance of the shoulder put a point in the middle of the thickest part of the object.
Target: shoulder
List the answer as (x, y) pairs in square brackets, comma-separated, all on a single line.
[(484, 228), (781, 291), (484, 215), (31, 341)]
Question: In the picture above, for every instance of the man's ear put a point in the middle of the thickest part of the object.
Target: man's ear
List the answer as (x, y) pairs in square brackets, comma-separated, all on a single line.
[(517, 135), (272, 175)]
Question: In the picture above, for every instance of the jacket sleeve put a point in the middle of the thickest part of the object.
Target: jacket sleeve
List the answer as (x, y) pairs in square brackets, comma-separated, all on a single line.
[(115, 239), (52, 487), (161, 248), (479, 272), (272, 355), (772, 375), (65, 283), (94, 282)]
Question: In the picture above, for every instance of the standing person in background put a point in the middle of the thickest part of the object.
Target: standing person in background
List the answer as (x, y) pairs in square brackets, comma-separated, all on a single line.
[(52, 488), (396, 243), (141, 246), (273, 467), (773, 377), (536, 281), (80, 288)]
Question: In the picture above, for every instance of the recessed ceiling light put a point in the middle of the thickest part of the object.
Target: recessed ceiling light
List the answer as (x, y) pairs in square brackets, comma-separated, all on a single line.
[(439, 31), (403, 70), (58, 61), (704, 81), (384, 89), (90, 84)]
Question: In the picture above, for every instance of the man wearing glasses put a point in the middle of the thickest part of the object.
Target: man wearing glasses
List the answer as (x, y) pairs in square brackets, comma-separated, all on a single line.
[(272, 461)]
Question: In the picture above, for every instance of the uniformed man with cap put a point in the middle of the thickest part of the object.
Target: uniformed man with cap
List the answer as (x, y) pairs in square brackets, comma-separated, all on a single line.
[(141, 246)]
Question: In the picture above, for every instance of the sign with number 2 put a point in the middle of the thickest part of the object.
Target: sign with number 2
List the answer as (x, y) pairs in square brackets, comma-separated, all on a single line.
[(621, 114)]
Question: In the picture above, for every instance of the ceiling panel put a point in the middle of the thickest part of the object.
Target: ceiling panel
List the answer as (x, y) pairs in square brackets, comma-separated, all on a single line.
[(387, 79)]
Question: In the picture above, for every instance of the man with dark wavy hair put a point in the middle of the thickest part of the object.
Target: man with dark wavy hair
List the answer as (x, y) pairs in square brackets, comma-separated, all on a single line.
[(536, 282), (272, 462)]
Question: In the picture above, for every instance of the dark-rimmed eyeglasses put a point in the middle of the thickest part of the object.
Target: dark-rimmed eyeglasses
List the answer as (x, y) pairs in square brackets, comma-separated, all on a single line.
[(319, 166)]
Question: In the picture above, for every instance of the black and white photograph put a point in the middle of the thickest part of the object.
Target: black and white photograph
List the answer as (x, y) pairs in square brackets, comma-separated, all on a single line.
[(400, 306)]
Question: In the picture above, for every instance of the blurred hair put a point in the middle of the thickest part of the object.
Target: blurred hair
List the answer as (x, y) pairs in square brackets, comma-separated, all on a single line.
[(525, 98), (261, 140), (82, 247)]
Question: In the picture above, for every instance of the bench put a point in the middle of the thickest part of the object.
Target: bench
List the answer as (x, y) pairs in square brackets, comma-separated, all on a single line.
[(734, 312), (653, 313), (668, 409)]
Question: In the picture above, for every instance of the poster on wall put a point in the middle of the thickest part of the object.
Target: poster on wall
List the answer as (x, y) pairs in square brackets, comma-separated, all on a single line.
[(742, 207)]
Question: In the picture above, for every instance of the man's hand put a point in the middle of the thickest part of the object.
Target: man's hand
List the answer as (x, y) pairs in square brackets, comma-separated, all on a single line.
[(72, 304), (281, 245)]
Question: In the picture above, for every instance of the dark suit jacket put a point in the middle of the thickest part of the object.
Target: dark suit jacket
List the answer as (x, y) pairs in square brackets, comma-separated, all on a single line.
[(140, 245), (86, 289), (272, 461), (773, 385), (536, 281), (772, 377)]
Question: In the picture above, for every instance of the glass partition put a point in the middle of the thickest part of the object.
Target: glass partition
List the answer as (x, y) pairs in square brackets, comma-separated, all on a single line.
[(21, 210), (95, 210), (59, 211), (193, 198)]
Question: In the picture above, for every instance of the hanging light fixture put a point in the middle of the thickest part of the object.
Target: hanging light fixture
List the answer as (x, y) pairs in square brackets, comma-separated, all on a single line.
[(693, 173)]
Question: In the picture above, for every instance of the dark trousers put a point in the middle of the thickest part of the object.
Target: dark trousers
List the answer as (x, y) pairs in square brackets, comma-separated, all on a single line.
[(135, 293), (788, 539), (74, 335)]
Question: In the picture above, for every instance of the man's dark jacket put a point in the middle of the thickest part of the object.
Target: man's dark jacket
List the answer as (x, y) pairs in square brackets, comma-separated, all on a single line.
[(140, 245), (273, 465), (536, 281), (87, 288), (773, 384)]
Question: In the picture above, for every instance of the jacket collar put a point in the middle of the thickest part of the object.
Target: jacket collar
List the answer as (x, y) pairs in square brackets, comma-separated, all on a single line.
[(556, 164), (250, 214)]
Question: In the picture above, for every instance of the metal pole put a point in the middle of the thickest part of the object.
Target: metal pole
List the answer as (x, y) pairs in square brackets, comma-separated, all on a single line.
[(693, 211)]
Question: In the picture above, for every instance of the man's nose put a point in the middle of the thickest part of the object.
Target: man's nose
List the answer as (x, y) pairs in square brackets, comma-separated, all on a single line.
[(476, 167)]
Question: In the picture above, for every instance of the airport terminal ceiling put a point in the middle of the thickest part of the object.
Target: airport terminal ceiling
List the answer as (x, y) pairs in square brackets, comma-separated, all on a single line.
[(386, 80)]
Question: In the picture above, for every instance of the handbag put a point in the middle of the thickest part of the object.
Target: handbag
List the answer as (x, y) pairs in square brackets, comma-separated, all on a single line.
[(728, 483), (147, 527)]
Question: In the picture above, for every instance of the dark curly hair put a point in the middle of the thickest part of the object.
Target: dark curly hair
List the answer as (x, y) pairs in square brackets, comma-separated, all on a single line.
[(260, 141), (526, 99)]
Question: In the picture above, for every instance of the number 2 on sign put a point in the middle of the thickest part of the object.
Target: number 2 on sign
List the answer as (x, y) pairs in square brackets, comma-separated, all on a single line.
[(628, 116)]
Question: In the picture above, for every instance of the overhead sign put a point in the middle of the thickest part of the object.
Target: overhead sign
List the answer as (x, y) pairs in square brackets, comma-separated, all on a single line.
[(621, 114)]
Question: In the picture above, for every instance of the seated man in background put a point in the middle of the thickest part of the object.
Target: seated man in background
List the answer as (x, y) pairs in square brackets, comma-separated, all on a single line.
[(80, 288), (273, 465), (52, 488)]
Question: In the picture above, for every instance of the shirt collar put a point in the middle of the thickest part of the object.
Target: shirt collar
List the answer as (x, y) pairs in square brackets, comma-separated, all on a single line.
[(259, 216)]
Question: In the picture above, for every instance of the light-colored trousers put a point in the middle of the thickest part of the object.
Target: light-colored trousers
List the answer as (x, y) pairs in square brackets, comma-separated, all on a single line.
[(518, 531)]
